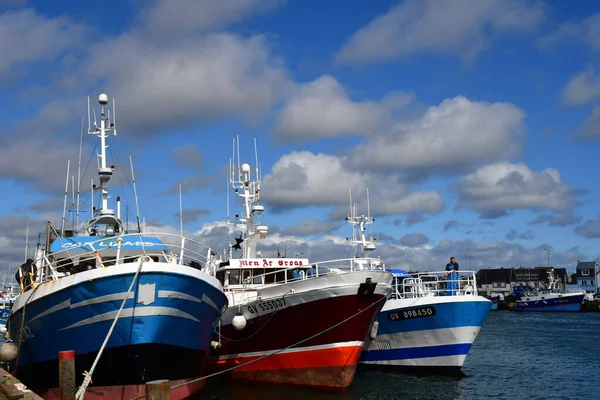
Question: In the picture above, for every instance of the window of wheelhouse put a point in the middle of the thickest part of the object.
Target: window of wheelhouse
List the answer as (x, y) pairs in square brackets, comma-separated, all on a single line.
[(273, 276), (234, 276)]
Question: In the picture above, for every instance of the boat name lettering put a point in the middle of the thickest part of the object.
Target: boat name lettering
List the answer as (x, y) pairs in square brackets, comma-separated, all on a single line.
[(269, 263), (421, 312), (266, 305), (103, 243)]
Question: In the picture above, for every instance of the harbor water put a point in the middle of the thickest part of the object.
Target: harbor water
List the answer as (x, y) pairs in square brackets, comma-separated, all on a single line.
[(527, 355)]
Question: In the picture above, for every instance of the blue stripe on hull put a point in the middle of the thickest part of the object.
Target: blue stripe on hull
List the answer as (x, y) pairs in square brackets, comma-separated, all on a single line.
[(53, 324), (447, 315), (416, 352)]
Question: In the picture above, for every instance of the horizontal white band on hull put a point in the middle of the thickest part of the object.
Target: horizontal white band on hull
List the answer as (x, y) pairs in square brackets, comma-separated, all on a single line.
[(425, 338), (293, 350)]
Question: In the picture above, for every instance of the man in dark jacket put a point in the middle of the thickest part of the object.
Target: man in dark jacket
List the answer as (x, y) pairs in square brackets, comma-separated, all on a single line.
[(452, 273)]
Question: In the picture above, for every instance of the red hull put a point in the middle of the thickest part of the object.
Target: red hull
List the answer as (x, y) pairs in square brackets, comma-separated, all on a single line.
[(127, 392), (327, 361)]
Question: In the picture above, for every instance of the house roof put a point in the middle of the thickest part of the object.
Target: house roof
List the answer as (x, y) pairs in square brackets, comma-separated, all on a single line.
[(586, 265)]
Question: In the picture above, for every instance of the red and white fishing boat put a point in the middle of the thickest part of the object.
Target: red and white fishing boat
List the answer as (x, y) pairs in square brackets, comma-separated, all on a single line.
[(291, 322)]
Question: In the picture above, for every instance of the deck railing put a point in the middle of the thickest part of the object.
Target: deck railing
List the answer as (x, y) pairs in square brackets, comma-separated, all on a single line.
[(439, 283)]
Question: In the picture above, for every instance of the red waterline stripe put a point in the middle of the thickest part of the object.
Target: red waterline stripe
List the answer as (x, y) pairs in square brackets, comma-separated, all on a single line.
[(66, 354)]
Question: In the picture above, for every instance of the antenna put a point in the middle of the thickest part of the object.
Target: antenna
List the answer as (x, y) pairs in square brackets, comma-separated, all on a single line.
[(256, 158), (26, 237), (89, 121), (72, 201), (180, 213), (114, 122), (79, 170), (137, 207), (368, 205), (350, 194), (227, 189), (238, 154), (92, 205), (62, 225)]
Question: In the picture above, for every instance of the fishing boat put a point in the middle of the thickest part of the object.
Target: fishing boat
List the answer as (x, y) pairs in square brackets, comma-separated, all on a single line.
[(291, 322), (428, 323), (133, 307), (526, 298)]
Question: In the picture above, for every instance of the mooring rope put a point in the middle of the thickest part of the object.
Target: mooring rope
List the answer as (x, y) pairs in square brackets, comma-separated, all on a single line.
[(383, 298), (88, 377)]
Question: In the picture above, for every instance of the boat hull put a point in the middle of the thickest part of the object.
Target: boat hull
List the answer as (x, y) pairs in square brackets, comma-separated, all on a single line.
[(163, 332), (296, 342), (433, 333), (563, 303)]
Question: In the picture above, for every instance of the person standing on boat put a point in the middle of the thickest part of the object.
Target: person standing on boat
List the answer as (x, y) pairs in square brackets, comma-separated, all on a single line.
[(452, 273)]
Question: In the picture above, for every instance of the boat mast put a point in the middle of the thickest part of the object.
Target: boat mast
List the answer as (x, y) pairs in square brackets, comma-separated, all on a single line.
[(359, 224), (249, 191)]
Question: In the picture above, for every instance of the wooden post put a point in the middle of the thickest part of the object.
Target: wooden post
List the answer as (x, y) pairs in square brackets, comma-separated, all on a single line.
[(158, 390), (66, 374)]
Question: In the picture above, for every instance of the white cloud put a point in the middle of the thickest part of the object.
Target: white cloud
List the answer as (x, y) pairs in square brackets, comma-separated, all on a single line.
[(590, 127), (304, 178), (212, 77), (590, 228), (586, 30), (455, 134), (26, 36), (582, 88), (462, 27), (168, 19), (322, 108), (494, 189)]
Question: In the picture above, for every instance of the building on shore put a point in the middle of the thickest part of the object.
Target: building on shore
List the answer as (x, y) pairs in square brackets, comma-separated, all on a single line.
[(493, 282), (587, 274)]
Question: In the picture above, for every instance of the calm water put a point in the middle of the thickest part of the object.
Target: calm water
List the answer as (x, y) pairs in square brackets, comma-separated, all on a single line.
[(516, 356)]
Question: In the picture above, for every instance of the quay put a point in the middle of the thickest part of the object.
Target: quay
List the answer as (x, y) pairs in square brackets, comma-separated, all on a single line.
[(12, 389)]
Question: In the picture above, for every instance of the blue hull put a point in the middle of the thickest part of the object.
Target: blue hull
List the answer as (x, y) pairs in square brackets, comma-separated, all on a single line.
[(570, 303), (434, 335), (168, 315)]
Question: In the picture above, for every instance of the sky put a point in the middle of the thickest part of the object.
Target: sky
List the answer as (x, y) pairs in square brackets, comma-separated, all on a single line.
[(475, 126)]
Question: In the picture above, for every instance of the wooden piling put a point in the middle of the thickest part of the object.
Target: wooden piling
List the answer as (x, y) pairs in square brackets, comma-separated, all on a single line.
[(158, 390), (66, 375)]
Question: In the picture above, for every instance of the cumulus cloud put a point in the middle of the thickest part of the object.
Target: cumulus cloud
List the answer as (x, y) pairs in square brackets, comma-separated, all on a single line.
[(495, 189), (586, 31), (303, 178), (169, 20), (307, 227), (26, 36), (211, 77), (322, 108), (564, 219), (196, 182), (414, 240), (414, 218), (448, 137), (513, 234), (589, 229), (582, 88), (461, 27), (590, 127), (187, 156)]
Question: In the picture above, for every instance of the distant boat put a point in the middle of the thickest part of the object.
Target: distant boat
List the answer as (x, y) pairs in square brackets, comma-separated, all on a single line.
[(527, 298), (149, 288), (425, 325)]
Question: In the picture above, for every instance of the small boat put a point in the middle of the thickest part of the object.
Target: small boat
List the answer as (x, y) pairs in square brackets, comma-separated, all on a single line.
[(292, 322), (425, 326), (527, 298), (140, 305)]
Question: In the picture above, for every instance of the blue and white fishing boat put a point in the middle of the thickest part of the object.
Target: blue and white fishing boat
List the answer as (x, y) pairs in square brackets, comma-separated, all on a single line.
[(133, 307), (526, 298), (428, 323)]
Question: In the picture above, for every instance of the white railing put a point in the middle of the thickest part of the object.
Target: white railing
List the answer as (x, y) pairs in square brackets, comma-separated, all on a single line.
[(319, 269), (440, 283), (106, 252)]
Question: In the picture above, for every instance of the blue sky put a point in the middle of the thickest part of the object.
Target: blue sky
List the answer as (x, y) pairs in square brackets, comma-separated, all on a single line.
[(475, 126)]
